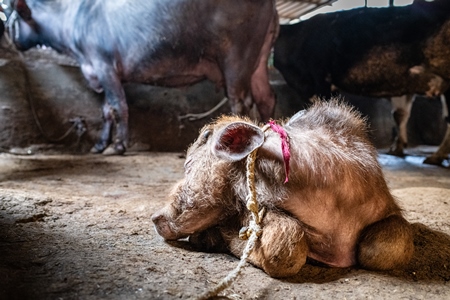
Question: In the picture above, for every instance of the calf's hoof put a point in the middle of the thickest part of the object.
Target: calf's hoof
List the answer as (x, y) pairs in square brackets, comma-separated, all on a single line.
[(396, 152)]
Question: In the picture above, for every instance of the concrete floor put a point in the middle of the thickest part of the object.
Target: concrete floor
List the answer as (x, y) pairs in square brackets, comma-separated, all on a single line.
[(78, 227)]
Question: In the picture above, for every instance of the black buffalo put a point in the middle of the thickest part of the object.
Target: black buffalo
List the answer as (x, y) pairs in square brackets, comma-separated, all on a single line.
[(164, 42), (377, 52)]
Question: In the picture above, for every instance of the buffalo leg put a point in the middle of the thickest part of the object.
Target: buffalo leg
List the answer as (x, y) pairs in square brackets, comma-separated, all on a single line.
[(238, 92), (239, 85), (115, 114), (444, 148), (105, 136), (401, 110), (442, 153), (386, 244), (262, 92)]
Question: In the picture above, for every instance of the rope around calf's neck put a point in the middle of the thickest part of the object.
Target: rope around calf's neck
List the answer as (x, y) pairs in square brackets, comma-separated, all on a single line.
[(252, 232)]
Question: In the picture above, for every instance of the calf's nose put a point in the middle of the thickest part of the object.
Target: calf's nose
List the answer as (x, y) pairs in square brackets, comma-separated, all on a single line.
[(162, 226), (156, 217)]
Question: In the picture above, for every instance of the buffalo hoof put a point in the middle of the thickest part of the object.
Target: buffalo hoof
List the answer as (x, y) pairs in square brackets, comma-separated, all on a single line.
[(114, 149), (98, 148), (95, 150), (396, 152), (433, 160)]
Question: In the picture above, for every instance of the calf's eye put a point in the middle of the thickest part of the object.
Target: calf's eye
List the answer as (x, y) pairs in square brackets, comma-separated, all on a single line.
[(206, 135)]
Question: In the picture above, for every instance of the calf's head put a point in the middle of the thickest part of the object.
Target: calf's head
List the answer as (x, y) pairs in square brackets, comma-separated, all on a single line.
[(214, 166)]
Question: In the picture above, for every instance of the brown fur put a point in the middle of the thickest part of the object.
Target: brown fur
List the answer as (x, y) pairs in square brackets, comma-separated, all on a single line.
[(336, 207)]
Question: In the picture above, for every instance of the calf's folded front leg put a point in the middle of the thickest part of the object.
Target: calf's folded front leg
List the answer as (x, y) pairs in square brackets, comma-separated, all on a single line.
[(280, 251)]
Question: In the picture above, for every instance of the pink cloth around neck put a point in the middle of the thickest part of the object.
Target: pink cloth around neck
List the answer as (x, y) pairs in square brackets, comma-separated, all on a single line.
[(284, 146)]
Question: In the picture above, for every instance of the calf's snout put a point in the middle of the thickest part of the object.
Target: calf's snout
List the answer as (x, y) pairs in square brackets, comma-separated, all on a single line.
[(162, 226)]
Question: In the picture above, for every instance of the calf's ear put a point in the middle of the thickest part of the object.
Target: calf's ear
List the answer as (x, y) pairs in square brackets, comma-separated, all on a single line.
[(237, 140), (23, 10)]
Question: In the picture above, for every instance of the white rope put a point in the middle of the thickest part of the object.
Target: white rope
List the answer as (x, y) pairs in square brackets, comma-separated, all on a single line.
[(252, 232), (229, 279), (195, 117)]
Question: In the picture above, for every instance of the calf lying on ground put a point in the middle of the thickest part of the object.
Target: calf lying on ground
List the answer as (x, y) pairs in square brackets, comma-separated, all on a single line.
[(336, 207)]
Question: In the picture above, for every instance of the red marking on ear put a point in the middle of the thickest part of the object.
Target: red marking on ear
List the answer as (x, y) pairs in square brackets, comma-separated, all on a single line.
[(237, 140), (234, 140), (284, 146)]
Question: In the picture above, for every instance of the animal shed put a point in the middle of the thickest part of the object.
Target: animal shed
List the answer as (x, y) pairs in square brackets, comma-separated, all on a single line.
[(77, 226)]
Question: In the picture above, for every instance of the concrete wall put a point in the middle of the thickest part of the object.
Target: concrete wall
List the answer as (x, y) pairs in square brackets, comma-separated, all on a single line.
[(53, 88)]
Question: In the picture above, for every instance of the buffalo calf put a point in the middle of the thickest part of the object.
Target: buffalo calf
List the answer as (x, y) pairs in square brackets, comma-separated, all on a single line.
[(335, 207)]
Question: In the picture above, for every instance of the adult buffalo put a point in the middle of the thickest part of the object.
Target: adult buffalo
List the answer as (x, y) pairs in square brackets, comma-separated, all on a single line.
[(378, 52), (163, 42)]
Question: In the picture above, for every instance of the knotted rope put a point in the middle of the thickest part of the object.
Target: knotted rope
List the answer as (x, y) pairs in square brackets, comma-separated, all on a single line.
[(254, 230)]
